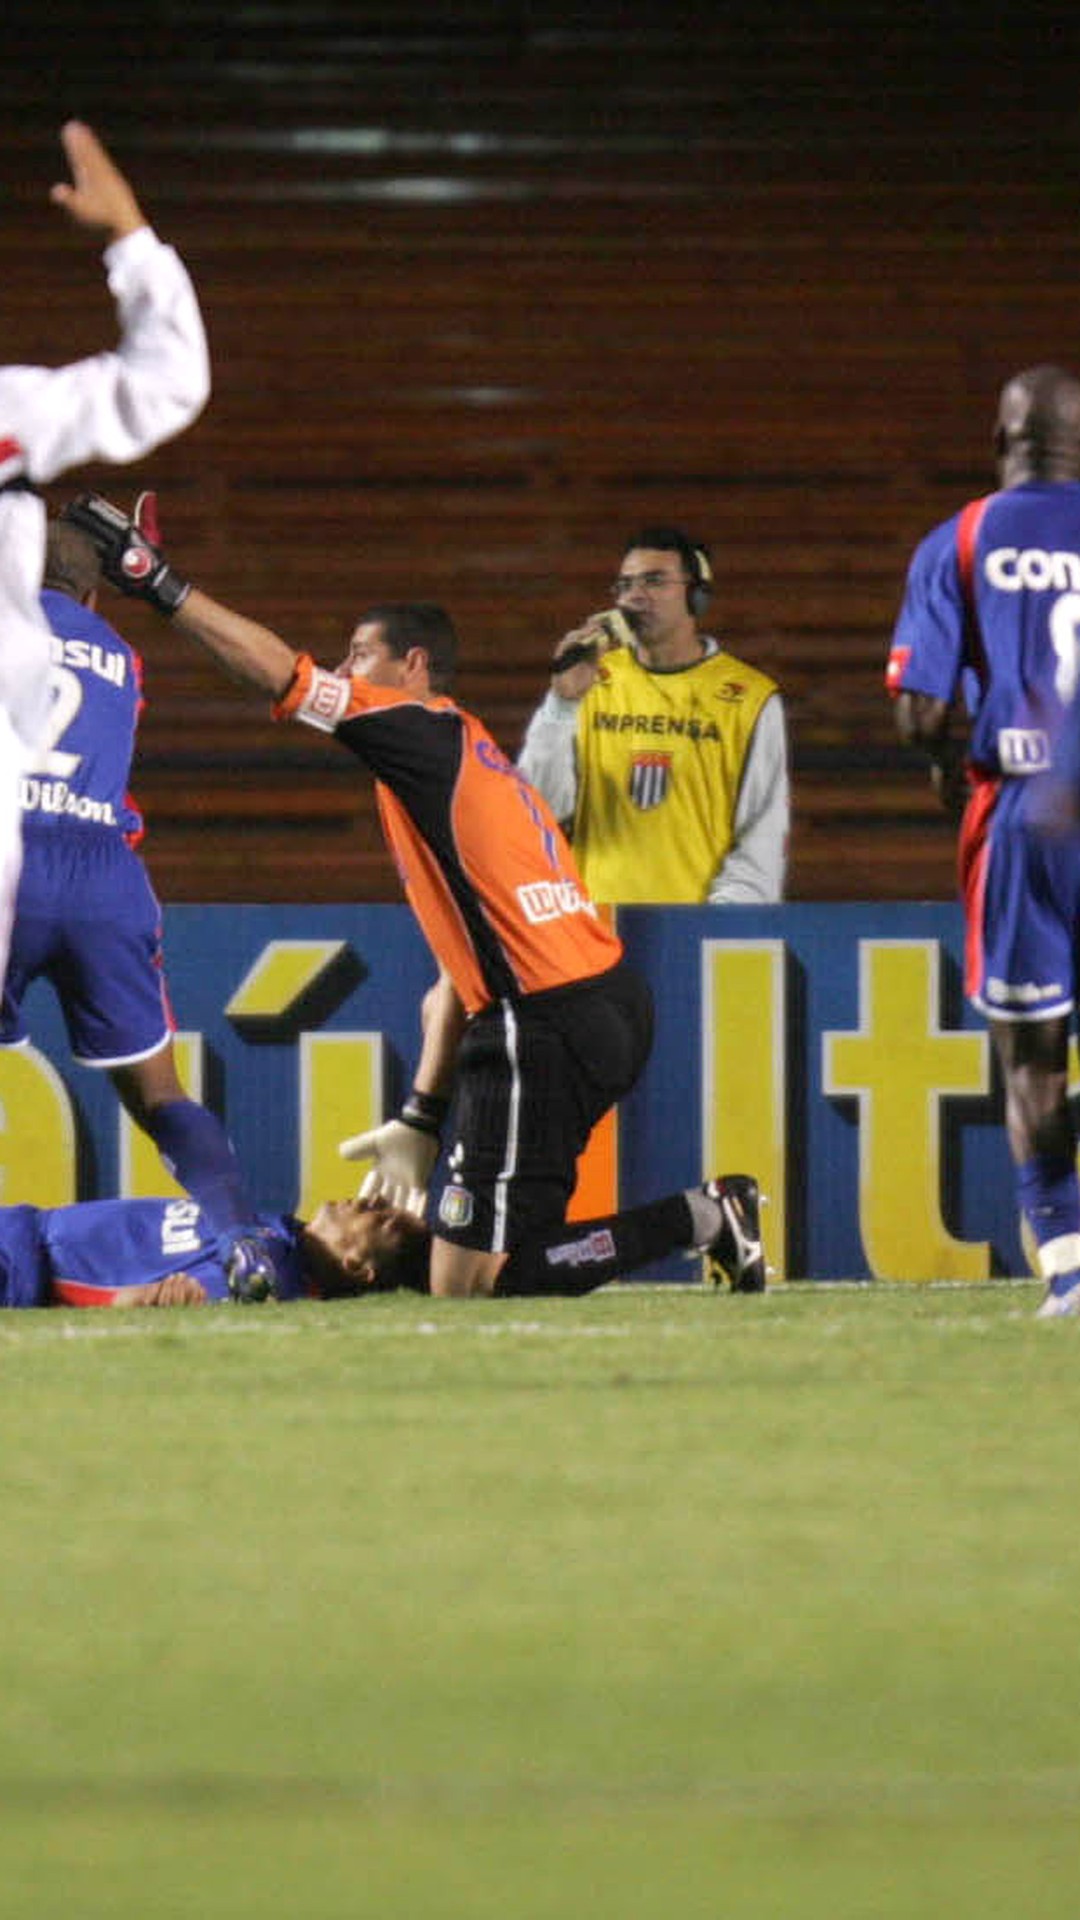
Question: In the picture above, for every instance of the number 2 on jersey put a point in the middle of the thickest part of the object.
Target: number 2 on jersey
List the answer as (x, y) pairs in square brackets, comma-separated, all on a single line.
[(67, 696)]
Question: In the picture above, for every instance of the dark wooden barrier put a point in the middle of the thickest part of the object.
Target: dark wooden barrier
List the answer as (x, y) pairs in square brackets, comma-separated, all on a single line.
[(486, 290)]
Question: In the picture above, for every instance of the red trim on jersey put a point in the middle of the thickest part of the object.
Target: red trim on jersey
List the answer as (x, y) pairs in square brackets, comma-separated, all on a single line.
[(894, 670), (137, 834), (967, 533), (79, 1293), (973, 852)]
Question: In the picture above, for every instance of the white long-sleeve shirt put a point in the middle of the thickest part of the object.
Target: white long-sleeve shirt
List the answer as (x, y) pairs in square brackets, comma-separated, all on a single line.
[(754, 869), (114, 406)]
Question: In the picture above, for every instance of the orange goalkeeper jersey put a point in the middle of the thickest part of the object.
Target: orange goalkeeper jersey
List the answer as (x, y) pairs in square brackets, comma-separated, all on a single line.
[(487, 871)]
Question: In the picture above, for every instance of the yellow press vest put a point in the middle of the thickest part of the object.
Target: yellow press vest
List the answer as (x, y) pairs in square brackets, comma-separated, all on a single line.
[(659, 762)]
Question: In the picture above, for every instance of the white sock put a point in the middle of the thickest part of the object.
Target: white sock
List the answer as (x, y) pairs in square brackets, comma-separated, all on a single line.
[(705, 1214)]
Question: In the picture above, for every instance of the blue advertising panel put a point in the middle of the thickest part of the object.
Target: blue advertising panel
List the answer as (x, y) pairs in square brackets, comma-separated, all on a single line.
[(836, 1040), (828, 1049)]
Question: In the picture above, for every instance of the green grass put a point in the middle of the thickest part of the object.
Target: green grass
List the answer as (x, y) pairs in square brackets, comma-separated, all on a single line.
[(653, 1604)]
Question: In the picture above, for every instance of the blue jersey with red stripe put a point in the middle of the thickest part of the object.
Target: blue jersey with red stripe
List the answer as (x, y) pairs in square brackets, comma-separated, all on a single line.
[(82, 771), (1006, 639), (86, 1255)]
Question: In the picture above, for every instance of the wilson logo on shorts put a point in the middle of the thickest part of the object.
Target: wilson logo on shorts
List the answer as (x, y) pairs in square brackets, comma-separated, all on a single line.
[(456, 1207), (650, 778)]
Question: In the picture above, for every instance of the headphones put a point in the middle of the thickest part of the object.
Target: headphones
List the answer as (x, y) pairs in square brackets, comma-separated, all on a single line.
[(699, 590), (695, 561)]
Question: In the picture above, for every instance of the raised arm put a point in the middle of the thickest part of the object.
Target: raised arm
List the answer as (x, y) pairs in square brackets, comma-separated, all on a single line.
[(97, 197), (548, 756), (131, 559), (115, 405), (250, 652)]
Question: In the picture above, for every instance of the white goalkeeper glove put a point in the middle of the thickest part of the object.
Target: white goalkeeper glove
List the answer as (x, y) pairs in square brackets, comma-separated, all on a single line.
[(403, 1156), (375, 1186), (404, 1151)]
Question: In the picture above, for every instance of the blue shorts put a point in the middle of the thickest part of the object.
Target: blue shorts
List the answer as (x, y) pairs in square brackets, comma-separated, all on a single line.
[(87, 919), (1022, 907)]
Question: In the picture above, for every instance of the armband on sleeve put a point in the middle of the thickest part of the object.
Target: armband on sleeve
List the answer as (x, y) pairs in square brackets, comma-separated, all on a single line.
[(896, 668), (319, 698)]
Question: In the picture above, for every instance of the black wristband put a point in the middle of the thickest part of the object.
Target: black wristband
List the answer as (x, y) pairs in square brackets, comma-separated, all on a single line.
[(169, 590), (425, 1111)]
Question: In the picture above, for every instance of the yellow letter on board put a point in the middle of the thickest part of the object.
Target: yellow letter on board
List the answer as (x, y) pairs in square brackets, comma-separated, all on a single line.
[(341, 1082), (37, 1127), (900, 1066), (743, 1074)]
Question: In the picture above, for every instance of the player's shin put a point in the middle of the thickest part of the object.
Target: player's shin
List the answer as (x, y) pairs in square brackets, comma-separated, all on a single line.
[(198, 1152), (588, 1253), (1049, 1194)]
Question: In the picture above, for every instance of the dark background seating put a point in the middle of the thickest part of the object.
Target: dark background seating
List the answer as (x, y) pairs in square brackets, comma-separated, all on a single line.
[(487, 286)]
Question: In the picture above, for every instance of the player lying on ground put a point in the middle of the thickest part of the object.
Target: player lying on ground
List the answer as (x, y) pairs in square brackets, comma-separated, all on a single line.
[(161, 1253)]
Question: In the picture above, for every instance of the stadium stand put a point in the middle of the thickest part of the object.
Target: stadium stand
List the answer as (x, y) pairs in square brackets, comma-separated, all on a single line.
[(487, 286)]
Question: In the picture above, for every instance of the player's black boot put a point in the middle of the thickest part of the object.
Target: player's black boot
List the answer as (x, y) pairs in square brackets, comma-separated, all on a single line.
[(734, 1253)]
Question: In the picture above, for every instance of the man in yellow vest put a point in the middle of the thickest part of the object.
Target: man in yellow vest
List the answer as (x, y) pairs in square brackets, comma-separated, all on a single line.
[(665, 754)]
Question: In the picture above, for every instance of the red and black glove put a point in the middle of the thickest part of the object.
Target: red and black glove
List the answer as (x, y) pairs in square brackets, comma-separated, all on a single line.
[(129, 549)]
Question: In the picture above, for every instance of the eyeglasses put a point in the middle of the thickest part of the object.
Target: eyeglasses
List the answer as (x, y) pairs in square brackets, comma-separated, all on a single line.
[(653, 582)]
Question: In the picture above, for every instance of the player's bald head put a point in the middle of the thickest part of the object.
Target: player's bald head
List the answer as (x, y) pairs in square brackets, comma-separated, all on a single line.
[(1038, 426)]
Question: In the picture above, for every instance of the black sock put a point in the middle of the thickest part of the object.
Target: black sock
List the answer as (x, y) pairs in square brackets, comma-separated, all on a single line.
[(586, 1253)]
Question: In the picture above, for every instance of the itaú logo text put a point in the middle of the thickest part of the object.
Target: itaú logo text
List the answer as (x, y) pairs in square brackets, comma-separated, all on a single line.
[(544, 900), (1014, 568)]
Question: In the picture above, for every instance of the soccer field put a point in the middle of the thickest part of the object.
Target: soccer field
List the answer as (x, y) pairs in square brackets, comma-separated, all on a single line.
[(659, 1603)]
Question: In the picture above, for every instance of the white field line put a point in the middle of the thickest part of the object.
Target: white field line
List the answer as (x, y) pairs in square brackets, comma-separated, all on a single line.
[(460, 1319)]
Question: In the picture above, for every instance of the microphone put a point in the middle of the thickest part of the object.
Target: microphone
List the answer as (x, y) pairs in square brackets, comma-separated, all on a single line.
[(616, 630), (573, 656)]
